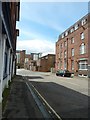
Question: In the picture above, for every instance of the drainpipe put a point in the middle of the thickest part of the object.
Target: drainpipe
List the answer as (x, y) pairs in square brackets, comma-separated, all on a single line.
[(67, 54)]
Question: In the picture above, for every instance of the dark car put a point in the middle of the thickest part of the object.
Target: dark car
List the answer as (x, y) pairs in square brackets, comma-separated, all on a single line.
[(64, 73)]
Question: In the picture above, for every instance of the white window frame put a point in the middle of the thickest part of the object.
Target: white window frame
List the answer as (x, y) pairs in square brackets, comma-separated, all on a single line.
[(76, 27), (72, 64), (63, 35), (82, 36), (66, 33), (65, 54), (82, 48), (83, 62), (83, 22), (72, 30), (65, 43), (26, 60), (72, 50), (65, 64), (72, 40)]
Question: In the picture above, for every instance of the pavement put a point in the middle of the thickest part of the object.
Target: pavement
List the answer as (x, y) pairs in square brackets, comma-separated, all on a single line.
[(20, 102)]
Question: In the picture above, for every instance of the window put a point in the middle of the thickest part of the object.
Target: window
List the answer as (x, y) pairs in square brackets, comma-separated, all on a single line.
[(82, 48), (26, 60), (62, 35), (46, 57), (83, 65), (65, 44), (72, 51), (82, 36), (66, 33), (72, 40), (72, 64), (61, 45), (71, 30), (76, 26), (65, 54), (61, 55), (83, 22), (65, 65), (18, 57)]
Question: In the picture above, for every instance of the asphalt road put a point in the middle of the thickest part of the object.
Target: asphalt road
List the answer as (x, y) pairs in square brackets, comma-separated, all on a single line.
[(67, 102)]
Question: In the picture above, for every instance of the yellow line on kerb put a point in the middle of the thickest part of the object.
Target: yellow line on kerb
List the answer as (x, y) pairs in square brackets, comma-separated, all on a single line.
[(47, 103)]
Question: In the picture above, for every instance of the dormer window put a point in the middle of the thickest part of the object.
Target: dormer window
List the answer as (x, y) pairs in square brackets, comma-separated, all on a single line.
[(66, 33), (76, 26), (71, 30), (83, 22), (62, 35)]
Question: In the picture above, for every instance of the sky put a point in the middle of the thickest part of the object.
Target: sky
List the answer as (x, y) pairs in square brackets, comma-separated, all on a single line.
[(42, 22)]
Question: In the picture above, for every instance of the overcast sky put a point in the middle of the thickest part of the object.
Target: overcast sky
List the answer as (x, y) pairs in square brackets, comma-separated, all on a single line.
[(41, 23)]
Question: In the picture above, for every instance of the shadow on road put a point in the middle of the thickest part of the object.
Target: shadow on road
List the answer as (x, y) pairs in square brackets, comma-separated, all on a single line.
[(34, 77)]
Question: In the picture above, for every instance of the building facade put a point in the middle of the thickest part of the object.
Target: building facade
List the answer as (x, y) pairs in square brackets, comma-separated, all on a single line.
[(45, 63), (20, 56), (27, 61), (72, 48), (33, 62), (9, 14)]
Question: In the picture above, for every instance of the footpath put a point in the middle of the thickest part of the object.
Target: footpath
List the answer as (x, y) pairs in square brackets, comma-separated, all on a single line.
[(20, 103)]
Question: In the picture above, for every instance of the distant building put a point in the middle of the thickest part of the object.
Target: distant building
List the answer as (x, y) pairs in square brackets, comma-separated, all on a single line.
[(45, 63), (9, 14), (33, 62), (27, 61), (35, 56), (72, 48), (20, 58)]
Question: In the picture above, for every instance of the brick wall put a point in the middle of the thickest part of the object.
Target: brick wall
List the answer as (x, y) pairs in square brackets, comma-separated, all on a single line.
[(68, 48)]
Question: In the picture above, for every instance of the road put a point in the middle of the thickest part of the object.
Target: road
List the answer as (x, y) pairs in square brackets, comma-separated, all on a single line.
[(68, 97)]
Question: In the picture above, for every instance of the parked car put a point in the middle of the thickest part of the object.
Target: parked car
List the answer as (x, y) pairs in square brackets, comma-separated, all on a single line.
[(64, 73)]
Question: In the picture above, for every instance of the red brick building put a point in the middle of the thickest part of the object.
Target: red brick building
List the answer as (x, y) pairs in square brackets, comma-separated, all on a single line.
[(20, 58), (45, 63), (72, 48), (27, 61)]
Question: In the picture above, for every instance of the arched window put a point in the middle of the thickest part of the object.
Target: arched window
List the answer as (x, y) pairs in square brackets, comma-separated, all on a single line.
[(82, 48)]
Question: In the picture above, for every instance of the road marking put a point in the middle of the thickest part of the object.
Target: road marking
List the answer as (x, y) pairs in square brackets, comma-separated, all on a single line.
[(47, 103), (39, 104), (49, 111)]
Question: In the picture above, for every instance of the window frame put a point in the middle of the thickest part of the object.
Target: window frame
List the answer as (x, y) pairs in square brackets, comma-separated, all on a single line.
[(72, 52), (72, 39), (72, 65), (80, 65), (76, 26), (65, 54), (82, 48), (82, 36)]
